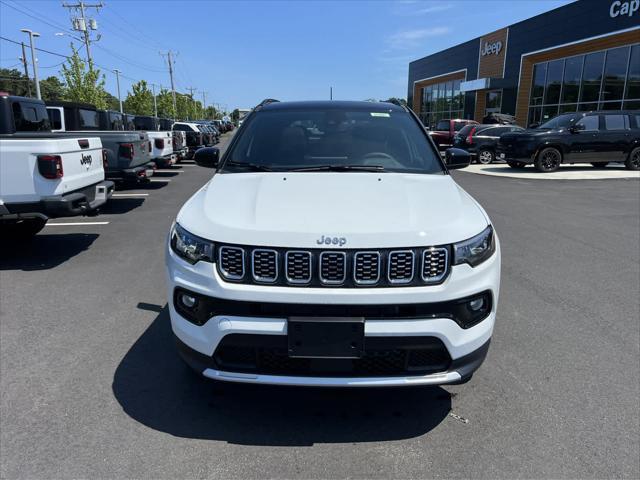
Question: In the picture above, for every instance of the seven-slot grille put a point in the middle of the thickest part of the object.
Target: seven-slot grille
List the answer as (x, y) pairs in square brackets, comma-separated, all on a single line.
[(401, 266), (333, 267), (347, 269), (232, 262), (298, 267), (264, 265), (434, 264), (366, 268)]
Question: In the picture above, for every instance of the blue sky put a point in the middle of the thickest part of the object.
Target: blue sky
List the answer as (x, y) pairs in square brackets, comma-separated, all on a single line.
[(241, 52)]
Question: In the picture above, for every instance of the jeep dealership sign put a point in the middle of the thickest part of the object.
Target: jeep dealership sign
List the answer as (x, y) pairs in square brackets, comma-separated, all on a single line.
[(621, 8), (492, 48)]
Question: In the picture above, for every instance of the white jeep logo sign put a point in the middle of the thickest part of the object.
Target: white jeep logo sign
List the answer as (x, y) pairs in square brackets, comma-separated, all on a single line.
[(492, 48)]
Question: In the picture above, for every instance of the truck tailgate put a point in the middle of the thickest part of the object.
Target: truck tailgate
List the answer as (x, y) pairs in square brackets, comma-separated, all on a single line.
[(81, 165)]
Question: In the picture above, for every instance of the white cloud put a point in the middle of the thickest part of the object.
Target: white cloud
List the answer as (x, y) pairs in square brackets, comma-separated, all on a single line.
[(413, 38), (434, 8)]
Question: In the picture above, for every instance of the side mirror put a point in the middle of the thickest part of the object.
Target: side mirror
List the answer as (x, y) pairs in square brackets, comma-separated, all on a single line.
[(576, 128), (207, 157), (456, 158)]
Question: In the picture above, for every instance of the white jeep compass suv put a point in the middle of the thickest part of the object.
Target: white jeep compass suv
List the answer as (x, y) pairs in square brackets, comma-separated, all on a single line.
[(333, 248)]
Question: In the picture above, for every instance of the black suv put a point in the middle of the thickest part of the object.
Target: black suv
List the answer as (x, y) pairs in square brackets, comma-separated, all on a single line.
[(481, 140), (595, 137)]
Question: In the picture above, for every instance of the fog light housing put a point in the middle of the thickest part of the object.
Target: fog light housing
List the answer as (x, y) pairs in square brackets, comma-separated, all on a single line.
[(470, 311), (188, 301), (476, 304)]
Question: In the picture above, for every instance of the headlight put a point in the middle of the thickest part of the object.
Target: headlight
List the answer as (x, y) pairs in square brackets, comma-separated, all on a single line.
[(475, 250), (190, 247)]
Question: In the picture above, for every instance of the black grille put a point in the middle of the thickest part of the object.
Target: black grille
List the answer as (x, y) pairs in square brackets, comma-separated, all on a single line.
[(434, 264), (232, 262), (333, 268), (366, 270), (401, 266), (385, 267), (384, 356), (298, 267), (264, 265)]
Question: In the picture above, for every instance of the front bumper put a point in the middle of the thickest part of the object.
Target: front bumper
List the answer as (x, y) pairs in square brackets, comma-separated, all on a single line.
[(79, 202), (509, 155), (466, 347)]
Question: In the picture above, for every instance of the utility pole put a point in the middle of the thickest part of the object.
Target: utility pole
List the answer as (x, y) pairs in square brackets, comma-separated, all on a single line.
[(330, 93), (204, 102), (33, 60), (193, 102), (173, 86), (155, 102), (84, 25), (117, 72), (23, 59)]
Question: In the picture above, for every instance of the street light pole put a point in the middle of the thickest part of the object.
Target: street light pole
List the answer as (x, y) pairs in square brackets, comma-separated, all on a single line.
[(155, 102), (117, 72), (33, 60)]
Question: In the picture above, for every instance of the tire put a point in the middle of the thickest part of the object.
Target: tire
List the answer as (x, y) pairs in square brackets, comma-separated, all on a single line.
[(633, 161), (599, 164), (517, 165), (548, 160), (23, 229), (485, 157)]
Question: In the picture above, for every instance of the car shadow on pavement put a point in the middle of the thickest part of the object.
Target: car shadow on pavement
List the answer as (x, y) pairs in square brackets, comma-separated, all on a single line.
[(155, 388), (119, 205), (44, 251), (123, 187)]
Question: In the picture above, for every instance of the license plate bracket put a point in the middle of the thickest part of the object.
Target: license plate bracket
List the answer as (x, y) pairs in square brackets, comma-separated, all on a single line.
[(325, 337)]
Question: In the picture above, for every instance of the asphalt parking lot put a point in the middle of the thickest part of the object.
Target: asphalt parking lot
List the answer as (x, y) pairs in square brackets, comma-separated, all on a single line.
[(91, 385)]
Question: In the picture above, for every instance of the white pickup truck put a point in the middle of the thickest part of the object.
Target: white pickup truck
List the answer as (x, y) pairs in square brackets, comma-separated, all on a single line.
[(161, 141), (42, 174)]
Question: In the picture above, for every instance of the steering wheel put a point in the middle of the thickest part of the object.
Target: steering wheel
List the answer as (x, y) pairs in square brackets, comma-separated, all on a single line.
[(384, 155)]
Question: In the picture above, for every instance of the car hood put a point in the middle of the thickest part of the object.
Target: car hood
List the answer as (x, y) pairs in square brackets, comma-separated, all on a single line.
[(368, 210)]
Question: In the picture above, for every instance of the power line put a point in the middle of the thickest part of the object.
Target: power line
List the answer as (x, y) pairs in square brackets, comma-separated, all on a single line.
[(80, 23), (57, 27)]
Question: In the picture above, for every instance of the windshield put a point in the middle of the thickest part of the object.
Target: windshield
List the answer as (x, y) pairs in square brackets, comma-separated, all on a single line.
[(294, 139), (561, 121)]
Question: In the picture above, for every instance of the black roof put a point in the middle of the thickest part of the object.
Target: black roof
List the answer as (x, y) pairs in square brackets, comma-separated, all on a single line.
[(86, 106), (333, 105)]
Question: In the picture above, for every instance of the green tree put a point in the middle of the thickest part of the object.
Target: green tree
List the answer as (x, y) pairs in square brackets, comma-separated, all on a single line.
[(397, 101), (165, 104), (52, 89), (112, 102), (235, 115), (14, 82), (211, 113), (83, 83), (140, 100)]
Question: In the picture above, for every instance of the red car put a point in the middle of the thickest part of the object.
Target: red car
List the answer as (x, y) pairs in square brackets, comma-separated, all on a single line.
[(445, 130)]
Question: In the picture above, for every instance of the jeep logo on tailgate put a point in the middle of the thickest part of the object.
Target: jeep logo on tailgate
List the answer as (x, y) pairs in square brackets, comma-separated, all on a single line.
[(86, 160), (331, 241)]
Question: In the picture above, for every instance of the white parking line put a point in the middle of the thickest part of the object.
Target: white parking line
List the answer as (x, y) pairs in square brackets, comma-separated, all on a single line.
[(166, 170), (49, 224), (130, 195), (159, 179), (187, 165)]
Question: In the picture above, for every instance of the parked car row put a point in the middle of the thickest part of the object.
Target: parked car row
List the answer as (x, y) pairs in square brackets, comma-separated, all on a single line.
[(64, 159), (598, 138)]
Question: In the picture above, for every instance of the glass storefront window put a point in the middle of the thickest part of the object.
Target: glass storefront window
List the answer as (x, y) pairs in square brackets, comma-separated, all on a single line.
[(633, 78), (592, 77), (615, 72), (537, 90), (572, 76), (441, 101), (583, 83), (554, 82)]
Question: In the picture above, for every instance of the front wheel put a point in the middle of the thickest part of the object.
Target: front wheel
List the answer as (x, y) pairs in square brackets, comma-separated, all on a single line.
[(633, 162), (548, 160), (599, 164), (485, 157)]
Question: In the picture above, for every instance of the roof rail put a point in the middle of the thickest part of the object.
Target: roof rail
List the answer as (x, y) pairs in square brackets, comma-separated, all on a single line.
[(266, 101)]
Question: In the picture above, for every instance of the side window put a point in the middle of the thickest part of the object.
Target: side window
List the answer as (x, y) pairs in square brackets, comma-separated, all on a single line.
[(457, 126), (442, 126), (490, 132), (590, 122), (637, 121), (616, 122), (55, 119), (88, 118)]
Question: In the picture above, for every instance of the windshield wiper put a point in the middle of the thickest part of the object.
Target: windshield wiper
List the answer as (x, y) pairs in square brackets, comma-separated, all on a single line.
[(254, 167), (340, 168)]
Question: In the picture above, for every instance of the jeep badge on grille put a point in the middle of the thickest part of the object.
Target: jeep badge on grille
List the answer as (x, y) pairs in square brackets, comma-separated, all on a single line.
[(331, 241)]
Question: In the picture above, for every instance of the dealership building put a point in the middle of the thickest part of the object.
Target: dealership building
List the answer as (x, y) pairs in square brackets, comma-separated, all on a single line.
[(579, 57)]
